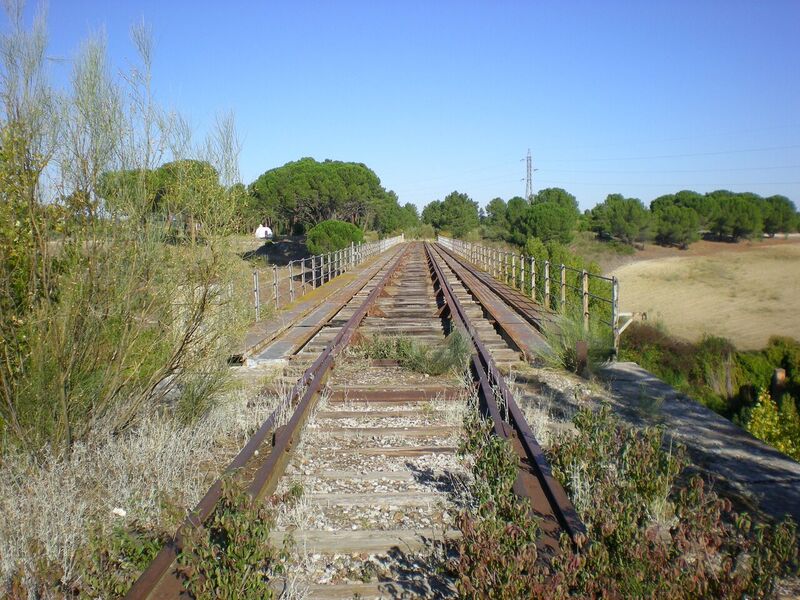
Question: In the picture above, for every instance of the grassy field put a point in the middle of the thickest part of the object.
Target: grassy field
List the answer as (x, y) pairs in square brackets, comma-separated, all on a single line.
[(745, 292)]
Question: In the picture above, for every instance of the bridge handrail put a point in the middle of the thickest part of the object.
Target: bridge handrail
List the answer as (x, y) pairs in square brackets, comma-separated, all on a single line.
[(592, 294), (295, 279)]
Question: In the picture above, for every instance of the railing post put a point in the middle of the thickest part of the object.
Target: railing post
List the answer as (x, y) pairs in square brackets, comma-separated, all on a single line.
[(290, 268), (313, 272), (522, 273), (275, 284), (563, 287), (330, 266), (255, 294), (513, 270), (352, 255), (615, 313), (585, 288), (533, 278), (547, 302), (303, 284)]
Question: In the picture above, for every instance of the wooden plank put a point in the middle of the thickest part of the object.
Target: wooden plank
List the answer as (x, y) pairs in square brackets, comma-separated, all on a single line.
[(374, 394), (380, 590), (365, 540), (377, 499), (404, 451), (377, 414), (410, 432), (368, 476)]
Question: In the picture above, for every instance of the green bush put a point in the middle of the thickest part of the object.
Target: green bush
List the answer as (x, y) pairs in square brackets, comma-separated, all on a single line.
[(112, 563), (779, 426), (231, 555), (712, 371), (650, 534), (450, 356), (328, 236), (497, 553), (424, 231)]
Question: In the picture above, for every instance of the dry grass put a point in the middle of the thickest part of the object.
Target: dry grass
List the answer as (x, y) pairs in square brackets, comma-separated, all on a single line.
[(746, 296), (153, 474)]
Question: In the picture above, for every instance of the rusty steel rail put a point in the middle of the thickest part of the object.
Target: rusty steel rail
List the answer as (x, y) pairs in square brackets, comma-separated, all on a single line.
[(535, 480), (160, 580), (528, 309)]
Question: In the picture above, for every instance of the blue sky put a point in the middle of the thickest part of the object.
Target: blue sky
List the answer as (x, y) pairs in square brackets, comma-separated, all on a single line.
[(639, 98)]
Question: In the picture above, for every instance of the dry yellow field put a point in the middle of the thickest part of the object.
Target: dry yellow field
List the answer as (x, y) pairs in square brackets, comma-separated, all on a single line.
[(744, 295)]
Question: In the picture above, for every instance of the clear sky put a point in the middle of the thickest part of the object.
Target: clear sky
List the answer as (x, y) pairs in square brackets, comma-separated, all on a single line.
[(640, 98)]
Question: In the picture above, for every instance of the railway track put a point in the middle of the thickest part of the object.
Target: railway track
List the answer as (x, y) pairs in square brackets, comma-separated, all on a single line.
[(373, 446)]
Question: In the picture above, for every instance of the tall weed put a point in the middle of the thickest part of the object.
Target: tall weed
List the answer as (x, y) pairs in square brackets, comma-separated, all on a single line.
[(563, 335), (448, 357)]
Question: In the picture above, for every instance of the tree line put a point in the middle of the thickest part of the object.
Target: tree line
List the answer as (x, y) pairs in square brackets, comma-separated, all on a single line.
[(673, 219), (298, 195), (680, 219), (292, 198)]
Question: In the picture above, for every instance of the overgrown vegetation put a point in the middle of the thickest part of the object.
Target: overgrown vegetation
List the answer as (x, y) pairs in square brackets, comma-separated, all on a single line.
[(113, 561), (650, 533), (83, 521), (497, 552), (119, 303), (731, 382), (231, 556), (106, 313), (779, 426), (563, 336), (451, 356), (329, 236)]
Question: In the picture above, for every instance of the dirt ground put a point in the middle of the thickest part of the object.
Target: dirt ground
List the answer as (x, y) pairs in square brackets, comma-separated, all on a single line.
[(746, 292)]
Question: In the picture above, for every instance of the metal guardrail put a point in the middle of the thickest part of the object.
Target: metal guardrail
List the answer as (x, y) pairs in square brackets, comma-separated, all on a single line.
[(595, 296), (298, 277)]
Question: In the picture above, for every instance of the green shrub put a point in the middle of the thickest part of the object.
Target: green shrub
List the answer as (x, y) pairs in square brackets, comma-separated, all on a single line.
[(112, 563), (231, 555), (777, 426), (450, 356), (473, 235), (423, 231), (649, 535), (497, 552), (784, 352), (755, 372), (652, 536), (712, 371), (328, 236)]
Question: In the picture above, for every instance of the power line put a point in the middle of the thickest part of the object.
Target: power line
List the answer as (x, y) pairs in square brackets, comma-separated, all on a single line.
[(650, 171), (721, 152), (672, 185)]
